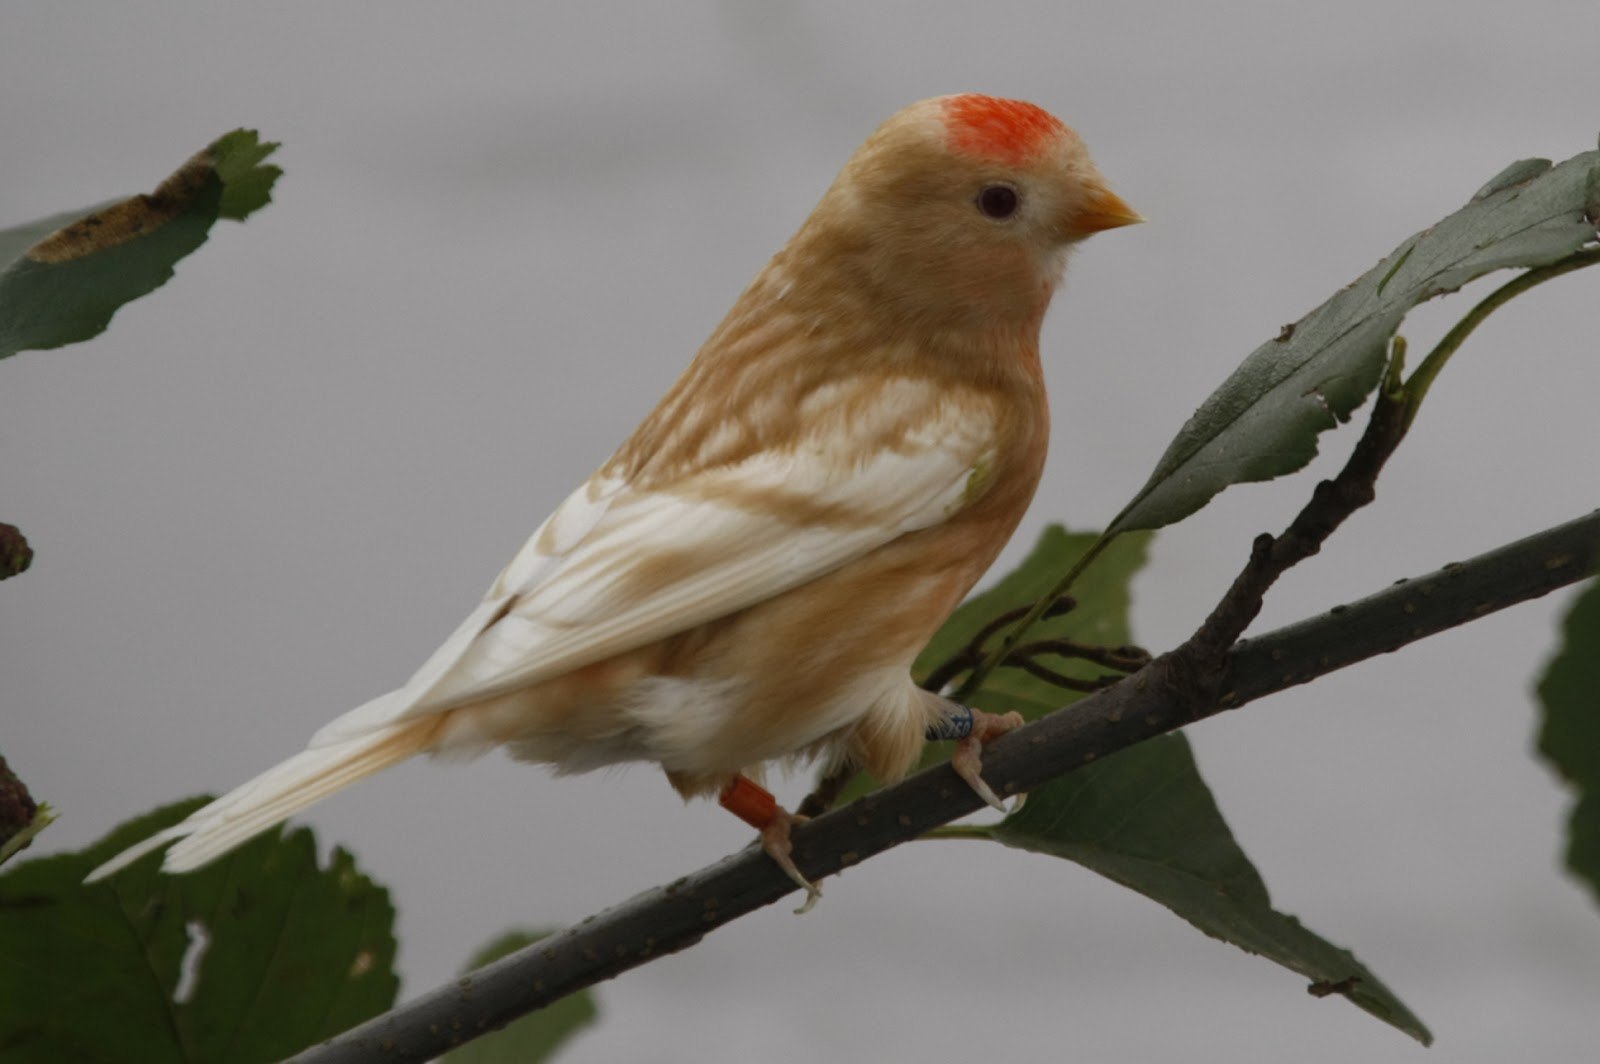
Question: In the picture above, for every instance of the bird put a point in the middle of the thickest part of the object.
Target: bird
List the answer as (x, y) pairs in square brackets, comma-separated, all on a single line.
[(749, 577)]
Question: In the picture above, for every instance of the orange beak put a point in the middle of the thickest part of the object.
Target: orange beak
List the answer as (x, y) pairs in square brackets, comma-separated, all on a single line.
[(1103, 209)]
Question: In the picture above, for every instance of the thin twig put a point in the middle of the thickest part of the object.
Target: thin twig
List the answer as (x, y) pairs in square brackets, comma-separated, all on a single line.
[(953, 666), (1034, 667), (973, 652), (1123, 658)]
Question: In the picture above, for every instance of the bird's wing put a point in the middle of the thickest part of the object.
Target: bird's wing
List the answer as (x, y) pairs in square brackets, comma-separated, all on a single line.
[(616, 567)]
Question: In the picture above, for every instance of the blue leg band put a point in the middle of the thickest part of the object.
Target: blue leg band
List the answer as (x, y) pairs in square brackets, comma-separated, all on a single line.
[(956, 726)]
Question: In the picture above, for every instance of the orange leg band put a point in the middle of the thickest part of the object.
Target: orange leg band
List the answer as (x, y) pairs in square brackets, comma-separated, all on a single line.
[(749, 801)]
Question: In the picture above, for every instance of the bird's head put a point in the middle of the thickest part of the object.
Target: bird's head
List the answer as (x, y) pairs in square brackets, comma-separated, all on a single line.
[(961, 208)]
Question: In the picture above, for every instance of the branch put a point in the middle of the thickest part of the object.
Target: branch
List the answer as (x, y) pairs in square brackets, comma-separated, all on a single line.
[(1413, 609), (678, 915)]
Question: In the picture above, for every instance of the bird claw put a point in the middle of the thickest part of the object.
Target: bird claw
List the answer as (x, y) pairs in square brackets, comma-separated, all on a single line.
[(968, 757), (775, 841), (755, 805)]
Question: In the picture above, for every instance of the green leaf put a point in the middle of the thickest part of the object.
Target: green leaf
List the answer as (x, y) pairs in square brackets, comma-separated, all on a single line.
[(1264, 420), (534, 1037), (1570, 734), (63, 277), (292, 953), (246, 183), (1144, 818), (1101, 618)]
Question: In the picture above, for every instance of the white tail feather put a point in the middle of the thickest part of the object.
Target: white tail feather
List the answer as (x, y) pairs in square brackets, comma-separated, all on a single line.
[(276, 794), (409, 701)]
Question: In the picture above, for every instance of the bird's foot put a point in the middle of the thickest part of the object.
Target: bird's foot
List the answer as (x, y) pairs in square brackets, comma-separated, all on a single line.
[(968, 757), (755, 805)]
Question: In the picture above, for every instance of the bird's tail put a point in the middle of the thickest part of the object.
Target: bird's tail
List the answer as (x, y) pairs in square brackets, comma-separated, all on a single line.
[(279, 793)]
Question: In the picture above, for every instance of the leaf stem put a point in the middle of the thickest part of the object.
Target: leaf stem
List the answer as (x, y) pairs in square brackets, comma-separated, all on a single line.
[(1416, 387)]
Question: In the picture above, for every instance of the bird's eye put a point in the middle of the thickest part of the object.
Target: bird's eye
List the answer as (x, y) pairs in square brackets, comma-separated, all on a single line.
[(998, 201)]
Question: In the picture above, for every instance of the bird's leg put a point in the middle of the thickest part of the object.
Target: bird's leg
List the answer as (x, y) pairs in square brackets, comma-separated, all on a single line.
[(755, 805), (972, 728)]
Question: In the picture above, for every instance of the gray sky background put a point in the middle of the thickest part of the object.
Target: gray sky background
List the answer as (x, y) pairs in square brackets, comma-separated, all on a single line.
[(268, 491)]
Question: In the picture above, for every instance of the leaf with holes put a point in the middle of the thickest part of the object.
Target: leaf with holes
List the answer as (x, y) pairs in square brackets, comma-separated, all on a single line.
[(249, 959), (1264, 420), (63, 277)]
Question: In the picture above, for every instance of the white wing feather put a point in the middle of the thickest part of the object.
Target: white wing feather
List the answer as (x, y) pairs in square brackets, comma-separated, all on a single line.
[(570, 597)]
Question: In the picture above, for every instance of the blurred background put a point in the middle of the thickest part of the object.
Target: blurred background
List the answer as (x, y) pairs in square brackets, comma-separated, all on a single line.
[(269, 490)]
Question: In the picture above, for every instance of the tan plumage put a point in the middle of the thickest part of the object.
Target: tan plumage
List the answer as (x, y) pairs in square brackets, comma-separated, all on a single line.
[(751, 574)]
